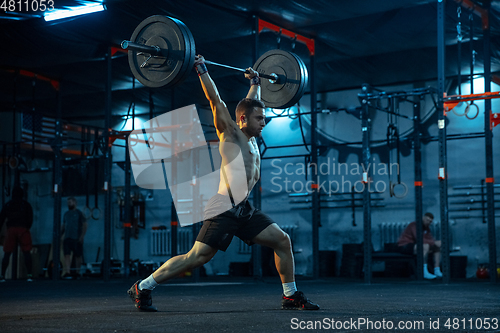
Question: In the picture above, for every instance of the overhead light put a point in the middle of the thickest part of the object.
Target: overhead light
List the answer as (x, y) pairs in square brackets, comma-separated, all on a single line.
[(73, 11)]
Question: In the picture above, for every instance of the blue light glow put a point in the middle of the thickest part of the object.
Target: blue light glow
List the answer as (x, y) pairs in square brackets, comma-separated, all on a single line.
[(73, 11)]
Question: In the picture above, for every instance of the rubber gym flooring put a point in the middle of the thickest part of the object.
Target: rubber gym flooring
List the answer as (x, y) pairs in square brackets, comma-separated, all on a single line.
[(247, 305)]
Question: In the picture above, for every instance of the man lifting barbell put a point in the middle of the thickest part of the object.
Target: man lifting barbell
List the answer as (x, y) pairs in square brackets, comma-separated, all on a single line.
[(241, 220)]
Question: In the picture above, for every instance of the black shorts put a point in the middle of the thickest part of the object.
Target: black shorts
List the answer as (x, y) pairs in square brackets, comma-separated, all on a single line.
[(407, 249), (74, 245), (242, 221)]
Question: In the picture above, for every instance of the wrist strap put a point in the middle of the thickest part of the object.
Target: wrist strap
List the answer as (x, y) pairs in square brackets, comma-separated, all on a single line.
[(255, 81), (201, 68)]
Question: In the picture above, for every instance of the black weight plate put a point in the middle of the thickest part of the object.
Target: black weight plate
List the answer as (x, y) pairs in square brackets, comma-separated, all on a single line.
[(292, 75), (190, 54), (305, 80), (178, 49)]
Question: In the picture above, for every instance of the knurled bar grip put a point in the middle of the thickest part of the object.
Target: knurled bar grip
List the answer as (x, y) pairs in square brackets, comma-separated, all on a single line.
[(266, 76)]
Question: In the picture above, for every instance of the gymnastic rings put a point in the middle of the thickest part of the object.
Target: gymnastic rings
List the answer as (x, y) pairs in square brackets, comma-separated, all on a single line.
[(467, 110), (151, 142), (133, 139), (400, 193), (460, 114), (96, 213), (87, 212)]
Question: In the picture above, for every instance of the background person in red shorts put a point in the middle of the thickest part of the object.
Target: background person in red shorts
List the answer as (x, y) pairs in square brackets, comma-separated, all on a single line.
[(18, 215)]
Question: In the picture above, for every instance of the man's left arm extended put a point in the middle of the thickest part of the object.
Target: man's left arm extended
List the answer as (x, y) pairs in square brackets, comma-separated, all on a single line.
[(253, 76)]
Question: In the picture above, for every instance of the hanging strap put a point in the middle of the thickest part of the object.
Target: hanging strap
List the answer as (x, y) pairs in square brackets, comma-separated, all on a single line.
[(459, 50), (96, 212)]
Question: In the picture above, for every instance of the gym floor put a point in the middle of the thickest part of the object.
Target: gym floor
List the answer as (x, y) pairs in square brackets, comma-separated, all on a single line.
[(245, 305)]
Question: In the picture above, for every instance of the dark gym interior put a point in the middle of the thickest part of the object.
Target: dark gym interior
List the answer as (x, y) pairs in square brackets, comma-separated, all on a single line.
[(378, 160)]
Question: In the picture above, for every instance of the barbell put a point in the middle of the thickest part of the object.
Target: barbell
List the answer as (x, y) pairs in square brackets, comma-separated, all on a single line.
[(162, 51)]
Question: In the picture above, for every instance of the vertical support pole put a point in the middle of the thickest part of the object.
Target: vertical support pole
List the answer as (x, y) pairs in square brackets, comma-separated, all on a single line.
[(443, 170), (417, 152), (16, 172), (14, 110), (257, 194), (4, 172), (15, 152), (489, 151), (197, 202), (151, 104), (174, 221), (127, 216), (15, 145), (107, 172), (57, 190), (316, 209), (367, 218)]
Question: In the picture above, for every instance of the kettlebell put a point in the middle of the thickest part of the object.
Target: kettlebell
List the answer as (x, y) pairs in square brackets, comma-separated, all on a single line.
[(482, 271)]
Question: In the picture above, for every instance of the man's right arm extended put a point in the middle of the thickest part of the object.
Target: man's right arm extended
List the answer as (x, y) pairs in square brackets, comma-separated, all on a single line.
[(222, 118)]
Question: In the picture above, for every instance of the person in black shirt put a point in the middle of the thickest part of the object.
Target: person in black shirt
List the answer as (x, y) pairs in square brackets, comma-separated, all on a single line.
[(74, 228), (18, 215)]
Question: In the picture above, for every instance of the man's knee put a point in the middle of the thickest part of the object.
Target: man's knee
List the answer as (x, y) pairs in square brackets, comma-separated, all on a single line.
[(200, 254), (199, 259), (284, 242), (434, 249)]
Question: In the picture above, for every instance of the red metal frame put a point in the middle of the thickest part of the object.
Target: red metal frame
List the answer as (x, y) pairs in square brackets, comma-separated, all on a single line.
[(54, 83), (478, 10), (115, 49), (494, 119), (451, 101), (308, 41)]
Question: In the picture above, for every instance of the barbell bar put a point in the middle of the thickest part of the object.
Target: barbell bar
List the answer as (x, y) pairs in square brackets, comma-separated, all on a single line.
[(155, 51), (162, 52)]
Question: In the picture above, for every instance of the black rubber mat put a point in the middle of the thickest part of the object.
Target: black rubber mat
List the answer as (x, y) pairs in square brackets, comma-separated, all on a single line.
[(229, 305)]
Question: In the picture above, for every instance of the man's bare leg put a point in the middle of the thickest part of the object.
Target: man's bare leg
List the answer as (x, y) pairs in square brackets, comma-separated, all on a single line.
[(140, 292), (279, 241), (437, 258), (437, 253), (199, 255), (427, 274), (78, 264), (67, 265)]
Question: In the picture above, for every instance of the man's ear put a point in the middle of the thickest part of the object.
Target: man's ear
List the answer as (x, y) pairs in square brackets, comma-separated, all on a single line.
[(243, 119)]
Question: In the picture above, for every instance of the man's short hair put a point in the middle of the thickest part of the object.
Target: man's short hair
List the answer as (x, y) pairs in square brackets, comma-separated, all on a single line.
[(429, 215), (72, 198), (246, 106)]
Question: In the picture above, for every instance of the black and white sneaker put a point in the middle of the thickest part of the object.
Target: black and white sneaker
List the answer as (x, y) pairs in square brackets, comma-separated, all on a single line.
[(141, 298), (298, 302)]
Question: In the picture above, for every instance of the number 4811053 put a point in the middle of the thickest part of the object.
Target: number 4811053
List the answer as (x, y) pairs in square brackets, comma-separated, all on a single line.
[(27, 5)]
